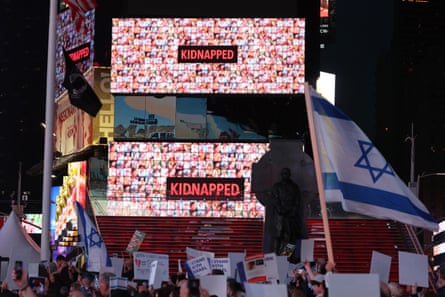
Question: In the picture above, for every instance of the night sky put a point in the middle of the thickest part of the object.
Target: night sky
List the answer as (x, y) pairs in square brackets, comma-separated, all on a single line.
[(364, 54)]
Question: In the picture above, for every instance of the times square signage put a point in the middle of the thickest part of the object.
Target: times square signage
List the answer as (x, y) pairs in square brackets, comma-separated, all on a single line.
[(207, 54), (205, 188)]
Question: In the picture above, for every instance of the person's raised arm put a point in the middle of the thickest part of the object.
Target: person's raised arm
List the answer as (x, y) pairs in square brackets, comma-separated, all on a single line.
[(308, 268), (22, 283)]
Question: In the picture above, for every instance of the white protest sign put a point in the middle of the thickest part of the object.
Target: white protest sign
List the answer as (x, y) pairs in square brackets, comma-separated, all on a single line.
[(410, 276), (307, 250), (193, 253), (265, 290), (222, 264), (155, 278), (142, 266), (117, 264), (214, 284), (198, 266), (271, 267), (380, 264), (354, 284), (254, 268), (235, 258), (283, 267)]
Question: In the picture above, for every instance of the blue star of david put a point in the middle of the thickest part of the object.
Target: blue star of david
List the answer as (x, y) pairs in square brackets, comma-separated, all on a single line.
[(363, 162), (94, 238)]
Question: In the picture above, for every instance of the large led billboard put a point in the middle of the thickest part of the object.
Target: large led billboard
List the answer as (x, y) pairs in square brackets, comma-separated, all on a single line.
[(73, 189), (33, 223), (327, 22), (78, 44), (205, 179), (208, 56)]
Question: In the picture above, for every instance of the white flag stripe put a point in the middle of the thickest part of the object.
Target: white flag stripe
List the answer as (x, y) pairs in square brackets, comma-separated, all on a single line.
[(355, 173)]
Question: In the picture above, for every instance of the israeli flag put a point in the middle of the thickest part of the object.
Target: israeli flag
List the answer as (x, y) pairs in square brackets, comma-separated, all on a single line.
[(356, 174), (95, 250)]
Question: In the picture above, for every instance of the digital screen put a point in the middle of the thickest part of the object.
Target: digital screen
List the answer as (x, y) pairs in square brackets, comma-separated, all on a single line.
[(324, 8), (439, 249), (327, 22), (139, 172), (72, 190), (441, 228), (68, 38), (208, 56), (33, 223), (55, 191)]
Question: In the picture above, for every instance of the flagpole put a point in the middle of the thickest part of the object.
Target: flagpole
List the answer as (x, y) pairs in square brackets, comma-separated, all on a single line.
[(321, 194), (49, 122)]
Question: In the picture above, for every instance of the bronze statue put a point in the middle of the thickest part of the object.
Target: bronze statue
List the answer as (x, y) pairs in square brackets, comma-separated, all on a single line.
[(283, 223)]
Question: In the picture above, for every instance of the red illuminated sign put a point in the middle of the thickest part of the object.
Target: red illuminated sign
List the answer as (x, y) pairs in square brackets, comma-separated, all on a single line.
[(207, 54), (205, 188), (80, 53)]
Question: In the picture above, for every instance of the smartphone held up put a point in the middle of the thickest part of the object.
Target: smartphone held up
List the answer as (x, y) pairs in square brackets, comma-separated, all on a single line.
[(18, 268)]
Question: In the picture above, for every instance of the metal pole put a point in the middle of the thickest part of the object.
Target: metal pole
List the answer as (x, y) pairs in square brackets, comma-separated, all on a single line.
[(321, 194), (49, 121)]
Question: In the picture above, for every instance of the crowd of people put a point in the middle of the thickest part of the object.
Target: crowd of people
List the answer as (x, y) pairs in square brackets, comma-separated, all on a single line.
[(65, 280), (309, 279), (313, 281)]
